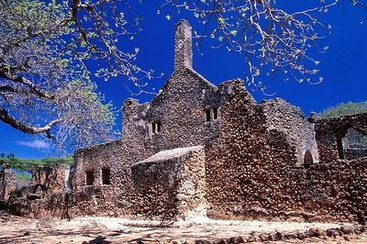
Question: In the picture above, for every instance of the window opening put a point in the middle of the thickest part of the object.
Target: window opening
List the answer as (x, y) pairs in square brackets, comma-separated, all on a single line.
[(215, 113), (153, 127), (89, 175), (207, 112), (156, 127), (352, 145), (339, 144), (106, 174), (308, 160)]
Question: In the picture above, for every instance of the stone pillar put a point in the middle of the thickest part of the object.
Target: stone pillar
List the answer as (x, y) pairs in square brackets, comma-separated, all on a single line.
[(183, 45), (7, 183)]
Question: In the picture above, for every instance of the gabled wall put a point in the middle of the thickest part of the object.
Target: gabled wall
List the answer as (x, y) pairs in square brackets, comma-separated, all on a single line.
[(180, 111)]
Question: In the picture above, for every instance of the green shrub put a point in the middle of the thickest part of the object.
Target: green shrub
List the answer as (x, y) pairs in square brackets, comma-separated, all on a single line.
[(27, 164), (344, 109)]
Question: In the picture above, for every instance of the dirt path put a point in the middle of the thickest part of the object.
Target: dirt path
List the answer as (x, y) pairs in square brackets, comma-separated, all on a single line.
[(115, 230)]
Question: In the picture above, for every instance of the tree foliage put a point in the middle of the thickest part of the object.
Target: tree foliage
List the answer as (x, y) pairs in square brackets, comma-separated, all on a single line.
[(344, 109), (45, 85), (11, 161), (271, 40)]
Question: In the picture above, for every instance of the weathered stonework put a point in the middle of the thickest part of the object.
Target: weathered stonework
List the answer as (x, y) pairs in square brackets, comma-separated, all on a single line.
[(54, 179), (170, 185), (251, 160), (46, 195), (330, 132), (198, 150), (7, 183)]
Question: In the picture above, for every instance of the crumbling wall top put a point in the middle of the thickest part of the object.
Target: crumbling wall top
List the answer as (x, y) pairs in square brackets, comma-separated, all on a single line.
[(231, 86)]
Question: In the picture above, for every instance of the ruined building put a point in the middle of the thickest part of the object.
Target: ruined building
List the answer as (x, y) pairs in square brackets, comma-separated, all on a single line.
[(198, 150)]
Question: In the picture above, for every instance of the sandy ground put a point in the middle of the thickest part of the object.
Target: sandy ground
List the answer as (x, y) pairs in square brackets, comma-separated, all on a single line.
[(115, 230)]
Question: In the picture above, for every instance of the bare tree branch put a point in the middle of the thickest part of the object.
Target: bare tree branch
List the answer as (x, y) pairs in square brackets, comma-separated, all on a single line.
[(10, 120), (271, 40)]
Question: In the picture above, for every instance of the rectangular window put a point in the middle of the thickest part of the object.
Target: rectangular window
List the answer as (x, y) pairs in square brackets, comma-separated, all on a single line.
[(153, 127), (89, 178), (215, 113), (156, 127), (106, 174), (207, 112)]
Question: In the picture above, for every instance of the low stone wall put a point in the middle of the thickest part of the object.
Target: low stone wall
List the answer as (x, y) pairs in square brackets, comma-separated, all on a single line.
[(170, 185), (355, 153), (31, 205), (274, 190), (47, 195)]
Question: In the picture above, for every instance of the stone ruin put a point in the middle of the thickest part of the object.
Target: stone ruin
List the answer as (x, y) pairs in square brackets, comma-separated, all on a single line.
[(45, 195), (198, 150), (7, 183)]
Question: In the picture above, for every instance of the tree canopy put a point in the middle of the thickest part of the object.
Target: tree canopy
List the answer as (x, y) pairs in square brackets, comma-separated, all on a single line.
[(341, 109), (271, 40), (45, 85)]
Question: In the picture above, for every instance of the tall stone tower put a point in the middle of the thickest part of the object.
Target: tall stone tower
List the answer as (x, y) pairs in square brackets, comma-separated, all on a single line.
[(183, 45)]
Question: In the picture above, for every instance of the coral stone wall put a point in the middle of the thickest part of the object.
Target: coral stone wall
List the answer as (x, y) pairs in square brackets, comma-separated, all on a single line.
[(46, 195), (170, 185), (285, 117), (179, 110), (354, 153), (54, 179), (260, 175), (336, 191), (7, 183), (247, 166), (113, 199)]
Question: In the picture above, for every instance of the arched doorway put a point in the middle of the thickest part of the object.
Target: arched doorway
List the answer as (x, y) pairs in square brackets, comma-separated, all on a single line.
[(307, 159)]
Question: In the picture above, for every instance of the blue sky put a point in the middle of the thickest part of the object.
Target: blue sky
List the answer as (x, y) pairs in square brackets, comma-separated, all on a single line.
[(344, 68)]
